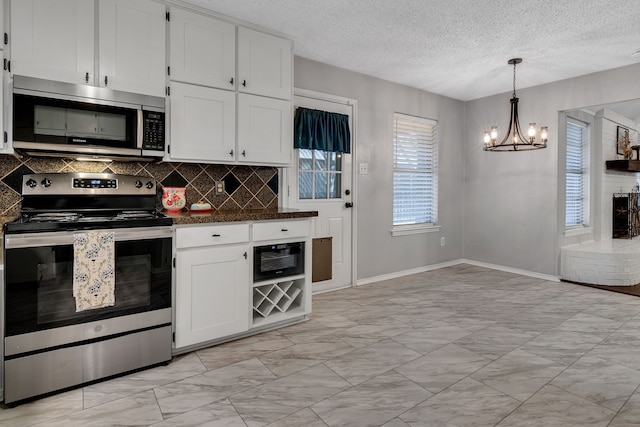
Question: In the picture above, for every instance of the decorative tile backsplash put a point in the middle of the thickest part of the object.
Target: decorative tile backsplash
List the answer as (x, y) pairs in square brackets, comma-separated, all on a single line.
[(246, 187)]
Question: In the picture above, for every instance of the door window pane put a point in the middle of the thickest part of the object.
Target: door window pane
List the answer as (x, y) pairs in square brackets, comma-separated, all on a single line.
[(305, 161), (305, 183), (335, 162), (321, 186), (334, 185), (321, 160)]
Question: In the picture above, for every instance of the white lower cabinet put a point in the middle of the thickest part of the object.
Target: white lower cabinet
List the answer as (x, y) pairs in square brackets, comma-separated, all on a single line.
[(215, 296), (212, 293)]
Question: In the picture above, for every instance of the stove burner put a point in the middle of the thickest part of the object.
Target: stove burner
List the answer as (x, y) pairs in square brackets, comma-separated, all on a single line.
[(77, 217), (134, 214), (55, 217)]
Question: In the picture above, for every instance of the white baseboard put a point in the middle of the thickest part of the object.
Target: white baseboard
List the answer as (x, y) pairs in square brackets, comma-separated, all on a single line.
[(534, 274), (397, 274)]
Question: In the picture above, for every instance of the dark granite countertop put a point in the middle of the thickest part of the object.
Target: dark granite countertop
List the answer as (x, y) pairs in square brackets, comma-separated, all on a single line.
[(239, 215), (224, 216)]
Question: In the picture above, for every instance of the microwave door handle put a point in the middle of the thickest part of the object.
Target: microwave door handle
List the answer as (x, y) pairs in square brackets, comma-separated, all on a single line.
[(140, 129)]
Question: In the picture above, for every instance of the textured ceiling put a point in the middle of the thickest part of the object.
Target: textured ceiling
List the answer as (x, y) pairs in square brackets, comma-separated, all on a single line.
[(456, 48)]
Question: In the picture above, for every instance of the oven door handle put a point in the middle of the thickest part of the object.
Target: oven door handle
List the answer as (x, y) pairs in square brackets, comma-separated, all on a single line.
[(58, 238)]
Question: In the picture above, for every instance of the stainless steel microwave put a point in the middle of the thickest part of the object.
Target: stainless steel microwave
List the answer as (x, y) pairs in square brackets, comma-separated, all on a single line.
[(67, 120)]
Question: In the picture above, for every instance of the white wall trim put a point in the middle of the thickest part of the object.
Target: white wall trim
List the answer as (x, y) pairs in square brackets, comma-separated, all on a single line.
[(406, 272), (528, 273), (398, 274)]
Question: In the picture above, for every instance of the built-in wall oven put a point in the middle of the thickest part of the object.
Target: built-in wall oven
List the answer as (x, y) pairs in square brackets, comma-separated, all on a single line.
[(278, 260), (50, 344)]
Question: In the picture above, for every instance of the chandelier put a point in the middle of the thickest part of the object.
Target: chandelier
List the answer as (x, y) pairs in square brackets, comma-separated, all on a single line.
[(514, 140)]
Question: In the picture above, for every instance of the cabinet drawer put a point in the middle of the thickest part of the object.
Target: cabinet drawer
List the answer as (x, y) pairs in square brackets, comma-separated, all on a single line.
[(280, 230), (192, 237)]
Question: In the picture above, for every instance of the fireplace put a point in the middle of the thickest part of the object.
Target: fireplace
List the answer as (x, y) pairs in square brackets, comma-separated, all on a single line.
[(626, 220)]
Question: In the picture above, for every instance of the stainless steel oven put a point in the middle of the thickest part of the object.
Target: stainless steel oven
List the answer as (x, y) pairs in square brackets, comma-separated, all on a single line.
[(49, 344), (278, 260)]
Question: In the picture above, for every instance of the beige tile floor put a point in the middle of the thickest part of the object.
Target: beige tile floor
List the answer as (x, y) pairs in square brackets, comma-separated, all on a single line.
[(458, 346)]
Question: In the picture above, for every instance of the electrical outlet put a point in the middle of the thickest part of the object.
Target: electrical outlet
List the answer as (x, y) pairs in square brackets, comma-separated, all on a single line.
[(219, 187), (442, 241)]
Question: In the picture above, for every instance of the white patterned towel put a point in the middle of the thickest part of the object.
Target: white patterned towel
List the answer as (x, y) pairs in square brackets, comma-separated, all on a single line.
[(94, 278)]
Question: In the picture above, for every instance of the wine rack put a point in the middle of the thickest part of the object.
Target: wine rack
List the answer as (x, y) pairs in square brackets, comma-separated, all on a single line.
[(277, 301)]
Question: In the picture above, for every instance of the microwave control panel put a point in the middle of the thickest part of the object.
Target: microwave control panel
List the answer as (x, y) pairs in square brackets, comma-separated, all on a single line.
[(153, 130)]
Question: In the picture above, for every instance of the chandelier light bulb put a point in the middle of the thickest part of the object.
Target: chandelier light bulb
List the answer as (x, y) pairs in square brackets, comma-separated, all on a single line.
[(544, 134), (487, 138), (494, 133)]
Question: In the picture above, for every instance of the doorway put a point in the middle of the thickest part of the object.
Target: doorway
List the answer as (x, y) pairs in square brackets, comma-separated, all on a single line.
[(323, 181)]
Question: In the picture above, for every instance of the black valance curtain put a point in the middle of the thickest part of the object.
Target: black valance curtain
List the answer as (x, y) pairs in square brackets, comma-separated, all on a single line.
[(321, 130)]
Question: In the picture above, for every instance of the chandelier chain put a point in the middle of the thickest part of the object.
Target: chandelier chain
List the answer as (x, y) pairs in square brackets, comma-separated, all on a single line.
[(514, 79)]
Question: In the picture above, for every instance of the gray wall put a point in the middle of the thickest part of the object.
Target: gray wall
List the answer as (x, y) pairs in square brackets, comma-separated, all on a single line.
[(378, 252), (498, 208), (513, 209)]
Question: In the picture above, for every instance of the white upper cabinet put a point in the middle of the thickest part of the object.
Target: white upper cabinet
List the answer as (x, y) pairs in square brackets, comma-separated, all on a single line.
[(53, 39), (203, 123), (265, 129), (264, 64), (132, 46), (202, 50)]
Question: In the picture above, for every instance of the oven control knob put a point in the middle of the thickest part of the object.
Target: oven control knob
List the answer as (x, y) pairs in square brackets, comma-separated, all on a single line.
[(149, 185), (46, 182), (138, 183), (31, 183)]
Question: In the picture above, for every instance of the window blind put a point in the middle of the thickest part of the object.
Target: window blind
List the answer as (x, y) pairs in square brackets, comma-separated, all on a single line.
[(415, 167), (575, 191)]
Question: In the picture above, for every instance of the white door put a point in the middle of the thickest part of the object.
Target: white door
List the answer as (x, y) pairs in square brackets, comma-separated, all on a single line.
[(322, 182)]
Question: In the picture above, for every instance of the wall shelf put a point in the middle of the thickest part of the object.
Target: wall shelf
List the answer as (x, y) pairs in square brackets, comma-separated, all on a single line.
[(624, 165)]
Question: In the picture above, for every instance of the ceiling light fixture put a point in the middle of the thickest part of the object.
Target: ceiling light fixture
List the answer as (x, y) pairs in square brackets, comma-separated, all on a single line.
[(514, 139)]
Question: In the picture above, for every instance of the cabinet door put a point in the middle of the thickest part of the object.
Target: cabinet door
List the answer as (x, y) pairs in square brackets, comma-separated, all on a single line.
[(264, 130), (202, 50), (212, 294), (203, 123), (53, 39), (264, 64), (132, 46)]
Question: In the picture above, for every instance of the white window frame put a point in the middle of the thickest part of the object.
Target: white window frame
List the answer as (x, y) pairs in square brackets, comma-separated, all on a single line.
[(572, 229), (430, 223)]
